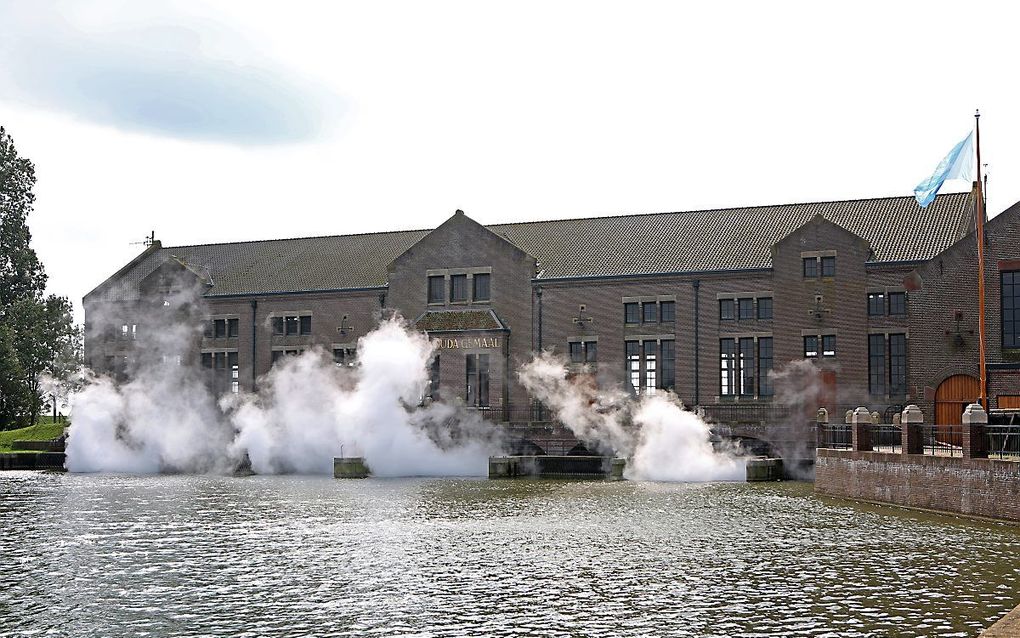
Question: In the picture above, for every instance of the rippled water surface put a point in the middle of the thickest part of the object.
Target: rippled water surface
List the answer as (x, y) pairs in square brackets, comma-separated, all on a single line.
[(89, 555)]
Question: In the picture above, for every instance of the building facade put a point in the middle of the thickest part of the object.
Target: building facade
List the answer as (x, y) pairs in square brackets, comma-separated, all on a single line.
[(862, 302)]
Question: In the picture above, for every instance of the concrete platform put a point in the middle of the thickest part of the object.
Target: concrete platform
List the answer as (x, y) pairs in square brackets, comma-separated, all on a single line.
[(1007, 627)]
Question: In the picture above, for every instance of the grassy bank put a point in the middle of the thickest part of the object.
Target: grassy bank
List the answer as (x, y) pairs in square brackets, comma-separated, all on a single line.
[(42, 431)]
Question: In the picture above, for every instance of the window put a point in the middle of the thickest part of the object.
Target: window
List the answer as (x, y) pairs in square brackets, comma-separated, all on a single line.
[(876, 304), (1011, 309), (897, 303), (583, 351), (477, 379), (765, 308), (651, 367), (649, 312), (277, 326), (828, 345), (745, 308), (306, 324), (633, 351), (810, 346), (129, 331), (727, 362), (828, 266), (235, 372), (344, 356), (810, 267), (726, 310), (897, 364), (219, 328), (433, 389), (631, 313), (291, 324), (458, 288), (876, 364), (223, 371), (667, 349), (436, 289), (667, 311), (746, 366), (279, 354), (481, 287), (232, 327), (765, 388)]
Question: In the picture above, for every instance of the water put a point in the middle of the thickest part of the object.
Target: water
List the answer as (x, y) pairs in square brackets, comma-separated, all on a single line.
[(89, 555)]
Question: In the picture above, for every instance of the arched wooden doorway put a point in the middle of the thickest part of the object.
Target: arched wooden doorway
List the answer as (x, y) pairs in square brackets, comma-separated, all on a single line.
[(952, 396)]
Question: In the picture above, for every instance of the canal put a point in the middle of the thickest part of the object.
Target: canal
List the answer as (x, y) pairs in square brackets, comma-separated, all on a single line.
[(95, 555)]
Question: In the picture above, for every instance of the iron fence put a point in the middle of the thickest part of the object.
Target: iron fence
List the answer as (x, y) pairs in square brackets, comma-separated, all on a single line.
[(942, 440), (741, 413), (515, 413), (1004, 441), (886, 437), (835, 436)]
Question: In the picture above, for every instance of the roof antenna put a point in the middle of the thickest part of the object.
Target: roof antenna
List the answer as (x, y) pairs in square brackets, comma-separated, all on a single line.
[(149, 240)]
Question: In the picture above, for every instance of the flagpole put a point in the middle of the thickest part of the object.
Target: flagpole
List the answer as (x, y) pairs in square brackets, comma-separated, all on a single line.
[(980, 228)]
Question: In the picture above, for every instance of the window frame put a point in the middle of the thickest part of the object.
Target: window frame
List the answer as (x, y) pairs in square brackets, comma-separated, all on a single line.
[(664, 316), (873, 299), (812, 271), (828, 263), (899, 308), (760, 306), (454, 281), (479, 277), (627, 307), (811, 351), (647, 306), (435, 294), (1010, 312), (729, 304)]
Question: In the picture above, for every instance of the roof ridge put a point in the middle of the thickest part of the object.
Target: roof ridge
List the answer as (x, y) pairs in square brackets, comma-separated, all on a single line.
[(266, 241), (725, 208)]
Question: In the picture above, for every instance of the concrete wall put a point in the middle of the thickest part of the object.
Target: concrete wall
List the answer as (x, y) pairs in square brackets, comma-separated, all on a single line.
[(979, 487)]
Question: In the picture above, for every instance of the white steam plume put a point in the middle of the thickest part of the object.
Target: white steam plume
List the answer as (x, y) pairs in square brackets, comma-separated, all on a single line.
[(660, 440), (307, 410)]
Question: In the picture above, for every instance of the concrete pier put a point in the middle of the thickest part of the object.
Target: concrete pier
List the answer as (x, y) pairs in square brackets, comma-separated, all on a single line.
[(763, 469), (349, 467), (548, 466)]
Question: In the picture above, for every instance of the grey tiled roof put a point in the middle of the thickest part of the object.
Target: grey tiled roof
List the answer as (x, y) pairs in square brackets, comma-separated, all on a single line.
[(722, 239)]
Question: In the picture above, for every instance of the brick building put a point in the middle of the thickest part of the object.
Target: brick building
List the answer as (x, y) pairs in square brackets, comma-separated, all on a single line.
[(878, 295)]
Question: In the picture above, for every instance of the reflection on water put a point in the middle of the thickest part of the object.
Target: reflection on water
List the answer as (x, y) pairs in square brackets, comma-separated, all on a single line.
[(271, 556)]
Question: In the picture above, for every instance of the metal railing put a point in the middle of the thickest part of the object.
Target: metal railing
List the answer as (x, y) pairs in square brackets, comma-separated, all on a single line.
[(515, 413), (886, 437), (942, 440), (736, 413), (1004, 442), (835, 436)]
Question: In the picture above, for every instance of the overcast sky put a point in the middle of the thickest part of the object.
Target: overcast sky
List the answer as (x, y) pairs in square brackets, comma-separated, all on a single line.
[(256, 120)]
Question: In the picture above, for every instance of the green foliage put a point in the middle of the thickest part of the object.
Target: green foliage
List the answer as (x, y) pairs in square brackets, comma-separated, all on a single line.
[(37, 336)]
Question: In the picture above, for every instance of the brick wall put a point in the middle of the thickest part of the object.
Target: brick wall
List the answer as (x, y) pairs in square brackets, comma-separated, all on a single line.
[(980, 487)]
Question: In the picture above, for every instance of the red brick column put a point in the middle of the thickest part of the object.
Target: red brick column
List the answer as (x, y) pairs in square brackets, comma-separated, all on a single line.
[(861, 430), (910, 430)]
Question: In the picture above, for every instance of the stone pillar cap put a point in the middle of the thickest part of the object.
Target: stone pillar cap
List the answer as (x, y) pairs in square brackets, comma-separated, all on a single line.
[(849, 416), (912, 414), (974, 413), (822, 416), (861, 415)]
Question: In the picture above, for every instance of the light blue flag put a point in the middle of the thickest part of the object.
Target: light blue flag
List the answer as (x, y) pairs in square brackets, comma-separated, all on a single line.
[(959, 164)]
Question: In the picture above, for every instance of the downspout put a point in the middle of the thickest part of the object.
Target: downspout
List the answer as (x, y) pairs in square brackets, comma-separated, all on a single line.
[(538, 292), (697, 344), (254, 342)]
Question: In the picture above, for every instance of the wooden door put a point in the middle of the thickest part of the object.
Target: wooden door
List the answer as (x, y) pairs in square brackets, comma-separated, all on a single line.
[(952, 396)]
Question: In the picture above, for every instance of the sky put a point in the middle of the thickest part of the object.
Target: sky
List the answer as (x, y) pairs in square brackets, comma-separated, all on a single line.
[(232, 121)]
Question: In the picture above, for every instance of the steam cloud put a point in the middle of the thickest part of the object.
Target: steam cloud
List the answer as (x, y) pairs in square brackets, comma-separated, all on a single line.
[(661, 440), (307, 411)]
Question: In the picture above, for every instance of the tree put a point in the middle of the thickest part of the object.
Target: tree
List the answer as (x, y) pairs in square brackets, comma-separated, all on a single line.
[(35, 331), (21, 272)]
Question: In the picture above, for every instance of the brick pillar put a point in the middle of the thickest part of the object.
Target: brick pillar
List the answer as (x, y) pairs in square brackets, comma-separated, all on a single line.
[(975, 435), (861, 430), (821, 421), (910, 429)]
